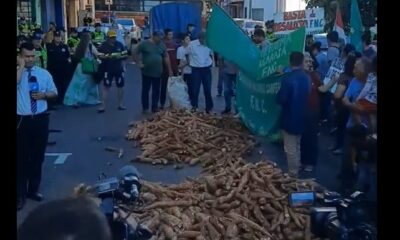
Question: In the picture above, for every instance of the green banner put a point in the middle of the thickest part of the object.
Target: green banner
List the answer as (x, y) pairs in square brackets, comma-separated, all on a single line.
[(257, 83), (226, 38)]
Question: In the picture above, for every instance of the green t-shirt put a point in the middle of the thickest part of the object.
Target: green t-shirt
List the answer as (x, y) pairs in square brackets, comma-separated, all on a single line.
[(152, 58)]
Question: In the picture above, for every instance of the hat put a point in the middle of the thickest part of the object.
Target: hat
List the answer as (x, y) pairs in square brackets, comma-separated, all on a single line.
[(57, 34), (111, 33), (37, 36)]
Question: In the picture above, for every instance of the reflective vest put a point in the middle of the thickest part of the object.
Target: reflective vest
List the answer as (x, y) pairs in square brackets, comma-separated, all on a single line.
[(24, 29), (271, 37), (73, 42), (41, 57), (98, 37)]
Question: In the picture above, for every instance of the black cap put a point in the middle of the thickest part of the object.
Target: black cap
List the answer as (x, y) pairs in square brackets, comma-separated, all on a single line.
[(52, 23), (73, 30)]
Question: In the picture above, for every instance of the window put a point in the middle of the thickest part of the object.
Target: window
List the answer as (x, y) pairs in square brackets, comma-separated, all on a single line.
[(257, 14), (24, 9)]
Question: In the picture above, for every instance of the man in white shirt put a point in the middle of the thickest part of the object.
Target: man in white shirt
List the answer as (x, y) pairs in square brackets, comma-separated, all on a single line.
[(201, 61), (34, 87)]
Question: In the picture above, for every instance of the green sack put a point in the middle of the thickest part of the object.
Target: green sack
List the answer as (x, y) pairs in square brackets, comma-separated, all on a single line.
[(89, 66)]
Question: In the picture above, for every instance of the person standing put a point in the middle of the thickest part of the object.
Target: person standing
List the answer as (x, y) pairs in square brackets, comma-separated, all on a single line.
[(321, 59), (82, 88), (309, 138), (40, 51), (190, 31), (50, 34), (171, 50), (113, 53), (201, 61), (34, 87), (228, 74), (98, 37), (293, 97), (153, 53), (184, 66), (58, 65)]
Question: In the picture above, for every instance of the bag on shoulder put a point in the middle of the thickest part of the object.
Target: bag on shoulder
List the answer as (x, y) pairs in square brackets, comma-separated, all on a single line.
[(89, 66)]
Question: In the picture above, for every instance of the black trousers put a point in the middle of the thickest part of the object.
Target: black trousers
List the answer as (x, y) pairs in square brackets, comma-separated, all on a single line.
[(32, 136), (163, 88), (61, 80), (154, 84)]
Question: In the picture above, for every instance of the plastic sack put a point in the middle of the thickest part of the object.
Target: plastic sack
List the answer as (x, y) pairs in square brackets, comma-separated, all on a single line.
[(178, 93)]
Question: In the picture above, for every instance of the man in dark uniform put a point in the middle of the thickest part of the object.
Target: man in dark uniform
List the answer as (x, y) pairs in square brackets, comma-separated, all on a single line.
[(113, 52), (58, 65), (34, 87)]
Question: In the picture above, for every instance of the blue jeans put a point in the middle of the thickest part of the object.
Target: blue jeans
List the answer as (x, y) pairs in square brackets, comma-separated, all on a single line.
[(154, 84), (309, 141), (221, 84), (326, 106), (229, 82), (201, 76)]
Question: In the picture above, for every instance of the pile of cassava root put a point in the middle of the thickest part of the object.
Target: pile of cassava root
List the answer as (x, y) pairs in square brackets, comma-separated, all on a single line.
[(232, 200), (246, 202), (182, 137)]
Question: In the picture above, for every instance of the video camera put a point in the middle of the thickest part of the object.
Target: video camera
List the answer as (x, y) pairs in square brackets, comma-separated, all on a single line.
[(338, 218), (124, 189)]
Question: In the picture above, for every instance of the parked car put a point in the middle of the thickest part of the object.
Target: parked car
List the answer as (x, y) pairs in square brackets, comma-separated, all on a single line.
[(248, 25), (127, 23)]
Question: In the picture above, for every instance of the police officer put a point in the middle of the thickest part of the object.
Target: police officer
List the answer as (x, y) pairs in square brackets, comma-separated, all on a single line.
[(113, 54), (58, 65), (269, 34), (34, 87), (73, 40), (98, 37), (40, 50), (23, 27)]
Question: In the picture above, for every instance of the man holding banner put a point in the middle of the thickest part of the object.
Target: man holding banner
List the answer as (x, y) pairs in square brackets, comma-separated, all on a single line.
[(293, 97)]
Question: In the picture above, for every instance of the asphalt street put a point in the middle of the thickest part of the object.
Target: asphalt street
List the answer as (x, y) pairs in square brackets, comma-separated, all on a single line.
[(85, 134)]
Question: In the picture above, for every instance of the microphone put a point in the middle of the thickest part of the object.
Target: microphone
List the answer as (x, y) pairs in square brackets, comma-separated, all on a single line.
[(33, 85)]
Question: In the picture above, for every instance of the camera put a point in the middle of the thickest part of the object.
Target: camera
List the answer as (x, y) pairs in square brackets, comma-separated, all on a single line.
[(124, 189), (337, 218)]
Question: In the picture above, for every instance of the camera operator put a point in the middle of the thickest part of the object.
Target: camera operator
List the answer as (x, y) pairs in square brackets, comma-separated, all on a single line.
[(78, 218), (71, 218)]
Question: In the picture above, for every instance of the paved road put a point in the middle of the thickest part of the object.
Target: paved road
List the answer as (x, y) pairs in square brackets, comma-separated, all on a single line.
[(85, 133)]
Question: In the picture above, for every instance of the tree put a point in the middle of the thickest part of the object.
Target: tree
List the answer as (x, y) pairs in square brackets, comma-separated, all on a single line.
[(367, 10)]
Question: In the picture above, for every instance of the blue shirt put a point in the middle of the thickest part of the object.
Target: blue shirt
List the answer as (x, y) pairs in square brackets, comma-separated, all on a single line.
[(323, 65), (46, 84), (293, 97), (352, 93)]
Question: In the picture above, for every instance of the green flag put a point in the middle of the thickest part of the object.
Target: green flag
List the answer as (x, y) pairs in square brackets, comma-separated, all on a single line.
[(356, 26), (256, 97), (226, 38), (257, 82)]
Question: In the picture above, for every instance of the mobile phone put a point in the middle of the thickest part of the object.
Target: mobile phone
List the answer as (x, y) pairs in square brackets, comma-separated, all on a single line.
[(302, 199)]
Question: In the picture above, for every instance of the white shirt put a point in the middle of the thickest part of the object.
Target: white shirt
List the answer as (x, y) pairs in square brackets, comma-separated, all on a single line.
[(181, 55), (46, 84), (199, 55)]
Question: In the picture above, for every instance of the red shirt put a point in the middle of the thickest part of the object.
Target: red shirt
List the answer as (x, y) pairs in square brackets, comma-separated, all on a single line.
[(171, 49), (314, 96)]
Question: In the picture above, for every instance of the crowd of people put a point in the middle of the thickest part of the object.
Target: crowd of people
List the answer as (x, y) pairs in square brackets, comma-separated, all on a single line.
[(337, 89)]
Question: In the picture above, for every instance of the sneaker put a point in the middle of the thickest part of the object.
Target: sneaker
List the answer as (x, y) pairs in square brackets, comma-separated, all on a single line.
[(226, 111), (309, 168), (338, 151)]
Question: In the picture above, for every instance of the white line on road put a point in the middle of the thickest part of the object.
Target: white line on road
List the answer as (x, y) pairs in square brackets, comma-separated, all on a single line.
[(61, 157)]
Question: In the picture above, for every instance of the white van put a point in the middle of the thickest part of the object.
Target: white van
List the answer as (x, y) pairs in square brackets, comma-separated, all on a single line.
[(248, 25)]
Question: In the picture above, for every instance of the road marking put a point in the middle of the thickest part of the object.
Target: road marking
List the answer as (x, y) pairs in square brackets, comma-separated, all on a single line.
[(61, 157)]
